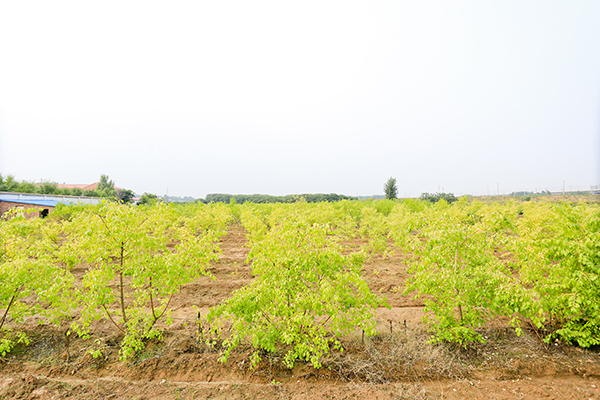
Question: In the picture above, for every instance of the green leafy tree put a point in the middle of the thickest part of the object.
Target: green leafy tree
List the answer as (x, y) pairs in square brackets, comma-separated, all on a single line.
[(26, 187), (91, 193), (391, 189), (306, 294), (10, 184), (373, 227), (148, 253), (457, 272), (106, 187), (48, 188), (105, 183), (28, 271), (124, 195), (148, 198), (559, 250)]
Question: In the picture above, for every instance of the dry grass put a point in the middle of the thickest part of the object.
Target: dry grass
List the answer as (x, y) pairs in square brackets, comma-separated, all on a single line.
[(402, 356)]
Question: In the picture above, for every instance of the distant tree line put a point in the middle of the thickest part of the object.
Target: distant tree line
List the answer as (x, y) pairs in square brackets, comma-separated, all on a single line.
[(178, 199), (264, 198), (435, 197), (105, 189), (542, 193)]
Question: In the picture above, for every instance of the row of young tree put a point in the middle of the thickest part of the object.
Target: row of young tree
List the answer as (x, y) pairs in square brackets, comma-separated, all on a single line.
[(534, 263), (308, 292), (537, 264), (135, 260)]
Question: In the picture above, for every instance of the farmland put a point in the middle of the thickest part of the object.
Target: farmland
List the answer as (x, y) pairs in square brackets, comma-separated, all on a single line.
[(383, 299)]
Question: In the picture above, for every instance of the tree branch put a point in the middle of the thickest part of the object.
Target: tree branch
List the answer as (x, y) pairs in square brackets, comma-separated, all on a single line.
[(112, 320)]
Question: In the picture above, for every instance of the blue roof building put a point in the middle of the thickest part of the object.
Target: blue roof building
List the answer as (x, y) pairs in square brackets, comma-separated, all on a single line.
[(9, 200)]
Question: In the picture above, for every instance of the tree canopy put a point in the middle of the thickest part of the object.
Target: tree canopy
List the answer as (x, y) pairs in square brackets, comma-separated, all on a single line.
[(391, 189)]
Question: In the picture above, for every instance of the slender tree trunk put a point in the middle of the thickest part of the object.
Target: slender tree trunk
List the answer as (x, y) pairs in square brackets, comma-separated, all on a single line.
[(121, 282), (151, 300), (12, 299), (67, 343)]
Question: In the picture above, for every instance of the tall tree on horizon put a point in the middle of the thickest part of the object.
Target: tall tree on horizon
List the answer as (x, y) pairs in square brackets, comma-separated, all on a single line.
[(105, 183), (390, 189), (106, 187)]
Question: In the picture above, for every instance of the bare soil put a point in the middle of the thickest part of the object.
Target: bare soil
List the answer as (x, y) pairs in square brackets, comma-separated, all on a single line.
[(398, 363)]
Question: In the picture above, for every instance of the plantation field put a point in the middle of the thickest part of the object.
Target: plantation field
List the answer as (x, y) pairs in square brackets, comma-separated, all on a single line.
[(504, 326)]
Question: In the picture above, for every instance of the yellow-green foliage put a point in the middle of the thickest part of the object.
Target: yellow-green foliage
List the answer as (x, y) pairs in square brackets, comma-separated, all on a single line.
[(306, 293), (470, 261)]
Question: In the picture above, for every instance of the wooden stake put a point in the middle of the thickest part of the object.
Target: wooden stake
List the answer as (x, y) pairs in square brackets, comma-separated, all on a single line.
[(67, 333)]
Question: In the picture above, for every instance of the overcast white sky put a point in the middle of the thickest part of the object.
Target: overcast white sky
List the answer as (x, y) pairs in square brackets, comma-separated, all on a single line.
[(282, 97)]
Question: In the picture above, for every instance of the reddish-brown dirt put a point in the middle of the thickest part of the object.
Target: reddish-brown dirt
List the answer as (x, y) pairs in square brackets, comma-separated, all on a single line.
[(396, 364)]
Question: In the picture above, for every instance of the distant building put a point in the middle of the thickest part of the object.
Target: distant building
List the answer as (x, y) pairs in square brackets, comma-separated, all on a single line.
[(44, 202), (84, 186)]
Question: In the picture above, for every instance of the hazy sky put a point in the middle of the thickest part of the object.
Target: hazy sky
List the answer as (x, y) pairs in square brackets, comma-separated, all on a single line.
[(282, 97)]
